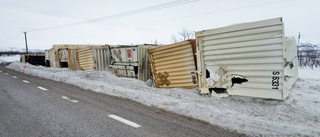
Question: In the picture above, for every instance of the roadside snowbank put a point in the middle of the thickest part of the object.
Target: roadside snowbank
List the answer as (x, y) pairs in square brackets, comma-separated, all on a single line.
[(1, 60), (296, 116)]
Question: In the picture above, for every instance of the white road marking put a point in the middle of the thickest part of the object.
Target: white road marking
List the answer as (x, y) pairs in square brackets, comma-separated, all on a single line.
[(42, 88), (69, 99), (25, 81), (135, 125), (6, 73), (0, 71), (14, 77)]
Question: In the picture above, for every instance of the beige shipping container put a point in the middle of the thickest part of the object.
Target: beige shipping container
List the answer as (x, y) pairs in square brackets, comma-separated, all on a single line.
[(56, 48), (252, 59), (94, 58), (174, 66)]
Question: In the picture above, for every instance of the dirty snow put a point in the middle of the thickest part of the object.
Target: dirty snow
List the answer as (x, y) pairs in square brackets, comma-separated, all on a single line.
[(298, 115)]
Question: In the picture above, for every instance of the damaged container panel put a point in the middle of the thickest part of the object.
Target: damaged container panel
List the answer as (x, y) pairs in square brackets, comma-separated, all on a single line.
[(131, 61), (173, 66), (73, 59), (63, 54), (94, 58), (123, 71), (248, 59), (63, 57)]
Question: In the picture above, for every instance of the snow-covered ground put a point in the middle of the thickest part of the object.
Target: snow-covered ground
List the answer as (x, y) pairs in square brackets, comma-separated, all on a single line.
[(10, 58), (298, 115)]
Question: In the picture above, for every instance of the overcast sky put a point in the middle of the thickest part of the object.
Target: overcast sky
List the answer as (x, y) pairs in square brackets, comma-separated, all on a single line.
[(146, 27)]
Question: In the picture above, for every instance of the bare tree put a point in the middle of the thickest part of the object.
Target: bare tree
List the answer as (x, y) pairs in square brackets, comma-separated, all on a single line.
[(174, 38), (184, 34), (309, 55)]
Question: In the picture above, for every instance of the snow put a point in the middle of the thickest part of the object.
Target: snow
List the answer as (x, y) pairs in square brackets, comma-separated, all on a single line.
[(305, 73), (9, 58), (298, 115)]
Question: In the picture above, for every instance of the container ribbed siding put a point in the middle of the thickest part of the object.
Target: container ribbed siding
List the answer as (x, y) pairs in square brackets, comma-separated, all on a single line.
[(52, 58), (173, 66), (249, 59), (94, 58), (73, 63)]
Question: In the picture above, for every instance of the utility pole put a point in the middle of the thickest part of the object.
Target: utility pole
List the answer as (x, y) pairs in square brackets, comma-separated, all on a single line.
[(299, 39), (25, 39)]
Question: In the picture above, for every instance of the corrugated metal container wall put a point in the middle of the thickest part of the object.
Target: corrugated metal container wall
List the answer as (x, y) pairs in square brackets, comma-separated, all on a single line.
[(174, 66), (246, 59), (85, 59), (144, 72), (56, 47), (52, 58), (102, 57), (94, 58), (73, 59)]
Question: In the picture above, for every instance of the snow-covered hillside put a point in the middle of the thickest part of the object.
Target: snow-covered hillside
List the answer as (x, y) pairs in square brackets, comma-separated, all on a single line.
[(298, 115)]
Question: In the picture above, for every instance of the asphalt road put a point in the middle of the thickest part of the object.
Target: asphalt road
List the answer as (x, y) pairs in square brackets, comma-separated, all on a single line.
[(31, 106)]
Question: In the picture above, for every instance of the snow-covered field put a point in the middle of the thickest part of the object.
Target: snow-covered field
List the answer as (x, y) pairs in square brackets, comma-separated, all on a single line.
[(298, 115), (10, 58)]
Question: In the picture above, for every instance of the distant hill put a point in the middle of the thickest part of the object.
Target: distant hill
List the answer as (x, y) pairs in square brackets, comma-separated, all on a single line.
[(13, 50)]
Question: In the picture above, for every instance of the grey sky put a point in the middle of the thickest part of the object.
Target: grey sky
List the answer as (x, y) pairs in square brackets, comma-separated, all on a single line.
[(21, 15)]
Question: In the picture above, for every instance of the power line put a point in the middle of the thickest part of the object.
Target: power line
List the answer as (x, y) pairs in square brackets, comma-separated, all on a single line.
[(211, 12), (124, 14), (217, 11)]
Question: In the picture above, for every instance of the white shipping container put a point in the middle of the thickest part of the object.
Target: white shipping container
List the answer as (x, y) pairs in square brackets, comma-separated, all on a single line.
[(251, 59), (131, 59), (124, 55)]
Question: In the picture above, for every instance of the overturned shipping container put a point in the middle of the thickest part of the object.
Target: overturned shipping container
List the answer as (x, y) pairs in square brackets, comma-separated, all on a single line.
[(34, 59), (61, 53), (131, 61), (173, 66), (94, 58), (250, 59)]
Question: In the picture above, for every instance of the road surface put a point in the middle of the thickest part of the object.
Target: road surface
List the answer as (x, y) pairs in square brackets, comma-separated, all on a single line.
[(33, 106)]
